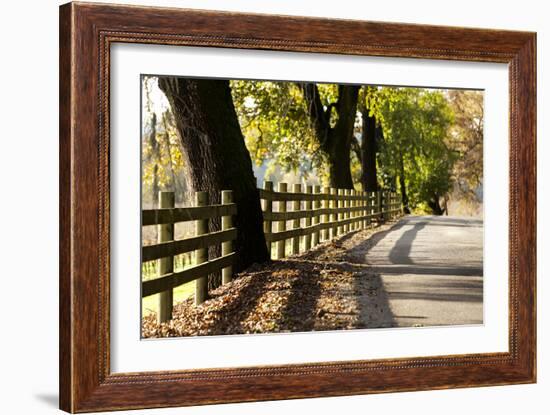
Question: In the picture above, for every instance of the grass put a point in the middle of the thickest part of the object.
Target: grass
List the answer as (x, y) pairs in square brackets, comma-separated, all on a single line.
[(150, 304), (149, 271)]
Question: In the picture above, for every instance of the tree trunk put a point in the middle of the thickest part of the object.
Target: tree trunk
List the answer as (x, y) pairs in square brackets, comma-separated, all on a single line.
[(339, 163), (435, 206), (403, 186), (334, 141), (216, 159), (369, 179)]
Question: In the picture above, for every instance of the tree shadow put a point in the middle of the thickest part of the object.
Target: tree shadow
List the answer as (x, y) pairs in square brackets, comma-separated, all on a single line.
[(232, 309), (378, 313), (400, 252), (446, 220), (454, 225), (410, 268), (302, 312), (357, 253), (372, 302), (474, 297), (300, 307)]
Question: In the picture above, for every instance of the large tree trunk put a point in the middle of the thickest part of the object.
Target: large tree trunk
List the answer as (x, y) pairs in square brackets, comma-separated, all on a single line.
[(335, 141), (435, 206), (369, 179), (339, 163), (403, 186), (217, 159)]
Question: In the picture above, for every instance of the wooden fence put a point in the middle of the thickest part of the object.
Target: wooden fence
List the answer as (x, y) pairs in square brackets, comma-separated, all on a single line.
[(164, 251), (302, 219), (308, 216)]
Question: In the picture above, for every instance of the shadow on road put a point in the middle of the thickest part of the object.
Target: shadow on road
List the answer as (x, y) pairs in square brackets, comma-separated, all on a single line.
[(411, 268), (356, 254), (400, 253), (475, 297), (372, 302)]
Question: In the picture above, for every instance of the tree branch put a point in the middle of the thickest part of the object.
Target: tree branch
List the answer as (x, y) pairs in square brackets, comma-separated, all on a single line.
[(316, 111)]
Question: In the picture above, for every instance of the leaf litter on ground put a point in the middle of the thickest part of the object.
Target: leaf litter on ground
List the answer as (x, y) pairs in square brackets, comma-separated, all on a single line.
[(326, 288)]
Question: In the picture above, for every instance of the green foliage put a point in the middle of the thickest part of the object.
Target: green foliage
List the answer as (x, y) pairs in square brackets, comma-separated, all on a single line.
[(432, 139), (275, 125), (415, 124)]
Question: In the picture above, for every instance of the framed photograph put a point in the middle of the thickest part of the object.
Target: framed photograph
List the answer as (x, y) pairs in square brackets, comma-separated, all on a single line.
[(252, 208)]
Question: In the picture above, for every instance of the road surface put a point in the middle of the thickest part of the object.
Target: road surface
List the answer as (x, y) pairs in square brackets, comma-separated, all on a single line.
[(419, 271), (430, 269)]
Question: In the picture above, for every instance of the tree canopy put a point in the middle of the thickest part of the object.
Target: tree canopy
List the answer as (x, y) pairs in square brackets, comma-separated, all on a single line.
[(424, 143)]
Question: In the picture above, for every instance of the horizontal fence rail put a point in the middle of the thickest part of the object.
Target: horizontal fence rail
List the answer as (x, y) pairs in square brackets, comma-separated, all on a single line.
[(294, 221), (166, 248), (299, 220), (161, 216)]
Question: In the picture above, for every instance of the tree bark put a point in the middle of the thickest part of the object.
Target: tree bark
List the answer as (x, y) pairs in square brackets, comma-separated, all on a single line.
[(334, 141), (403, 186), (369, 179), (216, 158), (435, 206)]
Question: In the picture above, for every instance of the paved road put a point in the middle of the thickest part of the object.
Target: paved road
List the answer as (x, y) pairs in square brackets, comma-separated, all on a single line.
[(420, 271), (431, 270)]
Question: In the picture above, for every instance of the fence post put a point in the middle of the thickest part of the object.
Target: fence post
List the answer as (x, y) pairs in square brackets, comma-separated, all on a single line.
[(268, 208), (201, 255), (384, 206), (351, 204), (307, 237), (397, 205), (316, 205), (355, 214), (325, 219), (281, 225), (227, 247), (347, 193), (316, 237), (370, 204), (379, 205), (340, 229), (350, 211), (359, 213), (322, 235), (166, 265), (356, 204), (296, 188), (364, 211), (333, 216), (388, 205)]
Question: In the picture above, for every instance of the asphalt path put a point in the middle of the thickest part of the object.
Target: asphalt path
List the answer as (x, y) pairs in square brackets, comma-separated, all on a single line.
[(430, 269)]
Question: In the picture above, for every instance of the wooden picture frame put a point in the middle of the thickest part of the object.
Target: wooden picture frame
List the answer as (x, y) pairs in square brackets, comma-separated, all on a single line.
[(86, 33)]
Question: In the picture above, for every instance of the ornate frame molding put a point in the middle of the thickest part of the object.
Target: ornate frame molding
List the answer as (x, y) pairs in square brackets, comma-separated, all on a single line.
[(86, 33)]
